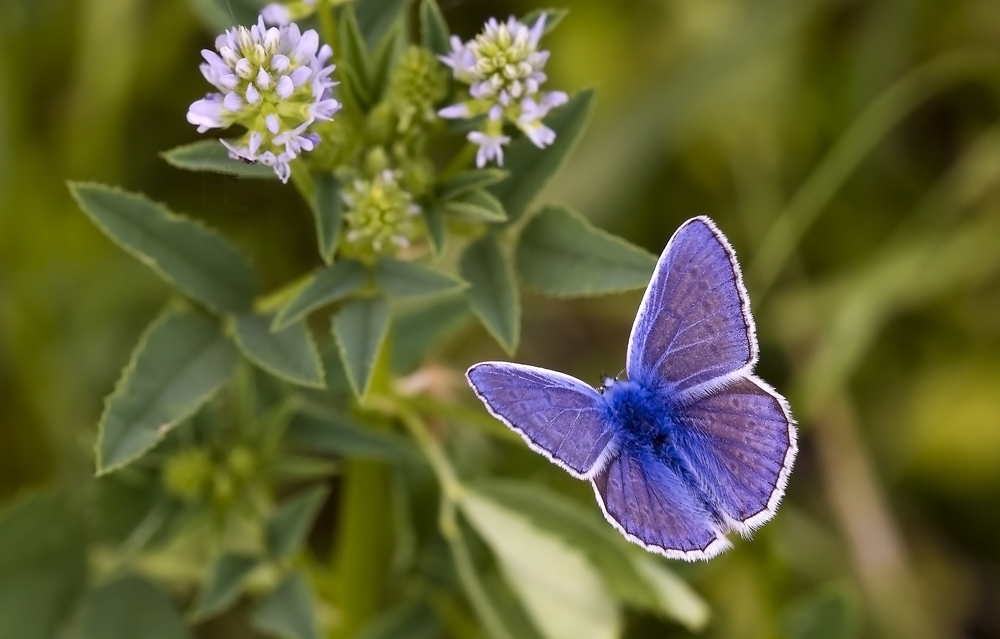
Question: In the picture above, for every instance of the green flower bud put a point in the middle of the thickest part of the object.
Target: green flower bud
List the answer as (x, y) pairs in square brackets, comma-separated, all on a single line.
[(381, 215), (416, 84), (186, 474), (242, 462)]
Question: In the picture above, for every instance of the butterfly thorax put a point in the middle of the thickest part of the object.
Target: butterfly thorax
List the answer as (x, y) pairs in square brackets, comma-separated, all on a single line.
[(641, 418)]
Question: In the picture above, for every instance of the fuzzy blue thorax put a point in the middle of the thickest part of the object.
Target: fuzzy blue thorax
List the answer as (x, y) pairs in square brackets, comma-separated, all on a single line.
[(642, 419)]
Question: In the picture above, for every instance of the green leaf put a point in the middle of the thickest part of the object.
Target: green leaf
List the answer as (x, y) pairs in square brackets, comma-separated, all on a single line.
[(434, 32), (561, 254), (131, 607), (360, 327), (437, 228), (181, 361), (416, 331), (552, 18), (829, 613), (355, 68), (466, 181), (288, 612), (289, 524), (334, 434), (375, 17), (327, 210), (295, 468), (478, 205), (219, 15), (530, 167), (328, 285), (492, 293), (289, 353), (185, 253), (560, 589), (211, 156), (43, 566), (224, 584), (408, 280), (674, 597), (413, 619), (387, 53)]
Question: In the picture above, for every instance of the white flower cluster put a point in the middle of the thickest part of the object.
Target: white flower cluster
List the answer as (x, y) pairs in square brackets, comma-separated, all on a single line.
[(274, 83), (503, 67)]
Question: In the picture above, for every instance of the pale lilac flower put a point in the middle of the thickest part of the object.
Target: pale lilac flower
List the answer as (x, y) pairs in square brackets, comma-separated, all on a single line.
[(490, 147), (273, 81)]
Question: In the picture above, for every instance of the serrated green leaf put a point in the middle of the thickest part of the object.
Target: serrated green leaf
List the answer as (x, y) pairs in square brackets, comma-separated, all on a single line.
[(560, 589), (561, 254), (552, 18), (288, 612), (334, 434), (224, 584), (492, 291), (211, 156), (43, 566), (130, 607), (181, 361), (408, 280), (466, 181), (477, 205), (288, 526), (434, 32), (328, 285), (360, 328), (185, 253), (437, 228), (355, 67), (328, 211), (530, 167), (416, 331), (289, 353), (375, 17)]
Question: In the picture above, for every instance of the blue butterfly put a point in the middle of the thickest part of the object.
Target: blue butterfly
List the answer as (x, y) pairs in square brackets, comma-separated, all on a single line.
[(692, 445)]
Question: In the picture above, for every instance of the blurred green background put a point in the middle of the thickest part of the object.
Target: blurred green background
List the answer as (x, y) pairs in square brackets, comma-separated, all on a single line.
[(850, 150)]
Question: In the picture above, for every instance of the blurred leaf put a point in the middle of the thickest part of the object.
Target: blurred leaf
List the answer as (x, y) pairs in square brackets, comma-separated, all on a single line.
[(298, 469), (560, 589), (289, 353), (674, 597), (219, 15), (492, 293), (360, 328), (416, 331), (289, 524), (477, 205), (179, 363), (43, 566), (408, 280), (462, 183), (211, 156), (328, 285), (830, 613), (129, 608), (288, 612), (552, 18), (412, 619), (332, 434), (327, 209), (562, 255), (509, 608), (355, 68), (185, 253), (224, 584), (437, 228), (386, 55), (434, 32), (375, 17), (530, 167)]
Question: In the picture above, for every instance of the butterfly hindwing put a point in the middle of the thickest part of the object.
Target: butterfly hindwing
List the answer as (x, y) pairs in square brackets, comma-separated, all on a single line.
[(558, 415), (694, 325)]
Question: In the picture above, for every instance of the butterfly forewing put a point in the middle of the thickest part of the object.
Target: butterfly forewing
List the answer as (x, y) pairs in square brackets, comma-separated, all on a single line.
[(694, 324), (558, 415)]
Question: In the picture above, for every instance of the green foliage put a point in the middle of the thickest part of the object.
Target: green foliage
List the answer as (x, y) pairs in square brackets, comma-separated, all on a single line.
[(375, 17), (288, 612), (412, 619), (186, 254), (561, 254), (289, 353), (552, 17), (477, 204), (210, 155), (355, 60), (180, 362), (328, 210), (289, 524), (434, 31), (829, 613), (42, 566), (492, 292), (331, 284), (408, 280), (360, 328), (334, 434), (130, 606), (462, 183), (418, 330), (224, 583)]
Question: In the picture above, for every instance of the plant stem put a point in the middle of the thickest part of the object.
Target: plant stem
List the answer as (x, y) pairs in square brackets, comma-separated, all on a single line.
[(328, 23)]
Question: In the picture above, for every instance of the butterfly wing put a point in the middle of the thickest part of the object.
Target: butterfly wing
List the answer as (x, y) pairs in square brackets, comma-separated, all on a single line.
[(649, 503), (557, 415), (694, 326)]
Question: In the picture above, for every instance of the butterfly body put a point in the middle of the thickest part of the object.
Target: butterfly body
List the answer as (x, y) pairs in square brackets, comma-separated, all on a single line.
[(692, 445)]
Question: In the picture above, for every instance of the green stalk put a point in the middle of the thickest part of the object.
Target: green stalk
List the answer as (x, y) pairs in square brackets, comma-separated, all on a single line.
[(328, 23)]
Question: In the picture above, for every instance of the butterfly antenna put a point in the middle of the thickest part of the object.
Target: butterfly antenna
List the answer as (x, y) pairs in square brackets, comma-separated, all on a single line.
[(620, 374)]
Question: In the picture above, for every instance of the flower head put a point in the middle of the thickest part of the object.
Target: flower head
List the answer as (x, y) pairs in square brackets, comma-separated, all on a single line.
[(504, 70), (381, 214), (272, 81), (416, 84)]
